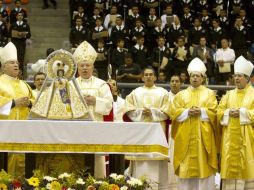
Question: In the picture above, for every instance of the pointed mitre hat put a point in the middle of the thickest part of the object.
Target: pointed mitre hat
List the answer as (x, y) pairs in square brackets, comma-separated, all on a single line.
[(196, 65), (243, 66), (8, 53), (85, 52)]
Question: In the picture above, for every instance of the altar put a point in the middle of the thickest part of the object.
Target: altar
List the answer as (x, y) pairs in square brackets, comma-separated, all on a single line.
[(146, 140)]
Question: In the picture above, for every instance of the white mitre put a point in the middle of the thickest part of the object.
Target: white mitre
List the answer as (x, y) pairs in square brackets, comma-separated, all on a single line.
[(243, 66), (85, 52), (39, 66), (196, 65), (8, 53)]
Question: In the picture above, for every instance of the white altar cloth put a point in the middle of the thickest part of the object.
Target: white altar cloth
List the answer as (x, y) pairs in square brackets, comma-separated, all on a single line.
[(44, 136)]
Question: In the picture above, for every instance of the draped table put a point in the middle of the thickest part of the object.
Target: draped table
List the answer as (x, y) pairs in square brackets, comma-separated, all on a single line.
[(52, 136)]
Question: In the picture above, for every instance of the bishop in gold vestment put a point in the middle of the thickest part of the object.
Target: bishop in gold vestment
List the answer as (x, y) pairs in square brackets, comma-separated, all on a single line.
[(193, 115), (16, 98), (236, 116)]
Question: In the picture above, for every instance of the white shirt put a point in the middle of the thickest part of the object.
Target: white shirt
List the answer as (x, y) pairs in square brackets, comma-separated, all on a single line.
[(118, 109), (227, 55)]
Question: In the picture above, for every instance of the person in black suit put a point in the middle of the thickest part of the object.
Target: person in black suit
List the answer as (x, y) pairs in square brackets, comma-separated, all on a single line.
[(3, 12), (117, 56), (206, 55), (119, 31), (78, 33), (101, 63), (3, 33), (161, 57), (196, 32), (240, 38), (20, 31), (140, 52), (16, 10)]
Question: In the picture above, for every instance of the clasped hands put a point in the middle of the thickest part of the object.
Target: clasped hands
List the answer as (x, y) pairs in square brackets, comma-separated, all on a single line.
[(22, 102), (147, 112), (90, 100), (234, 113), (194, 111)]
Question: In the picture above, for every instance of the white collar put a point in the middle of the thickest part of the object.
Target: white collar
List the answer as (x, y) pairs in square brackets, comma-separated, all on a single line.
[(139, 29), (79, 27), (120, 49), (137, 46), (176, 27), (135, 16), (198, 28), (217, 29), (205, 17), (19, 22), (154, 17), (223, 18), (187, 16), (120, 27), (98, 16), (18, 9), (81, 14), (87, 80), (100, 28), (157, 28), (162, 48), (241, 27)]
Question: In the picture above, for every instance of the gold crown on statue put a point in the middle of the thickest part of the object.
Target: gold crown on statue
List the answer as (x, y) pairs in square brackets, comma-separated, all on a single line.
[(85, 52), (8, 53), (61, 57)]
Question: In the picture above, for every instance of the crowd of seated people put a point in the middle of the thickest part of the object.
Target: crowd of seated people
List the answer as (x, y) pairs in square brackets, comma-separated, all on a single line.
[(14, 26), (165, 34)]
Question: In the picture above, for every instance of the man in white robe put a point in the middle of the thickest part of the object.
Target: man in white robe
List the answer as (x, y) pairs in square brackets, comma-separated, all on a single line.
[(96, 93), (39, 79), (147, 104)]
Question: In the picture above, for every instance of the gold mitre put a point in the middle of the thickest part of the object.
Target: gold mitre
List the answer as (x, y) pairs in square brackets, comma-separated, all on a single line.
[(8, 53), (85, 52)]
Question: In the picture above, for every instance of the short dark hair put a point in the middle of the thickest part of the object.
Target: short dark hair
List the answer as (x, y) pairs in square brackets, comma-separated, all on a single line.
[(49, 51), (119, 40), (175, 75), (128, 55), (39, 73), (148, 68), (139, 36)]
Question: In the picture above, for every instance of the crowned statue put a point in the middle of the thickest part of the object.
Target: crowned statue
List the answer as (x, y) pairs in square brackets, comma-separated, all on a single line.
[(60, 99), (60, 96)]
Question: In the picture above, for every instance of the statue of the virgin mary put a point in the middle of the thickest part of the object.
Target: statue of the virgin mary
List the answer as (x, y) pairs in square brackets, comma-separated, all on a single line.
[(62, 99)]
